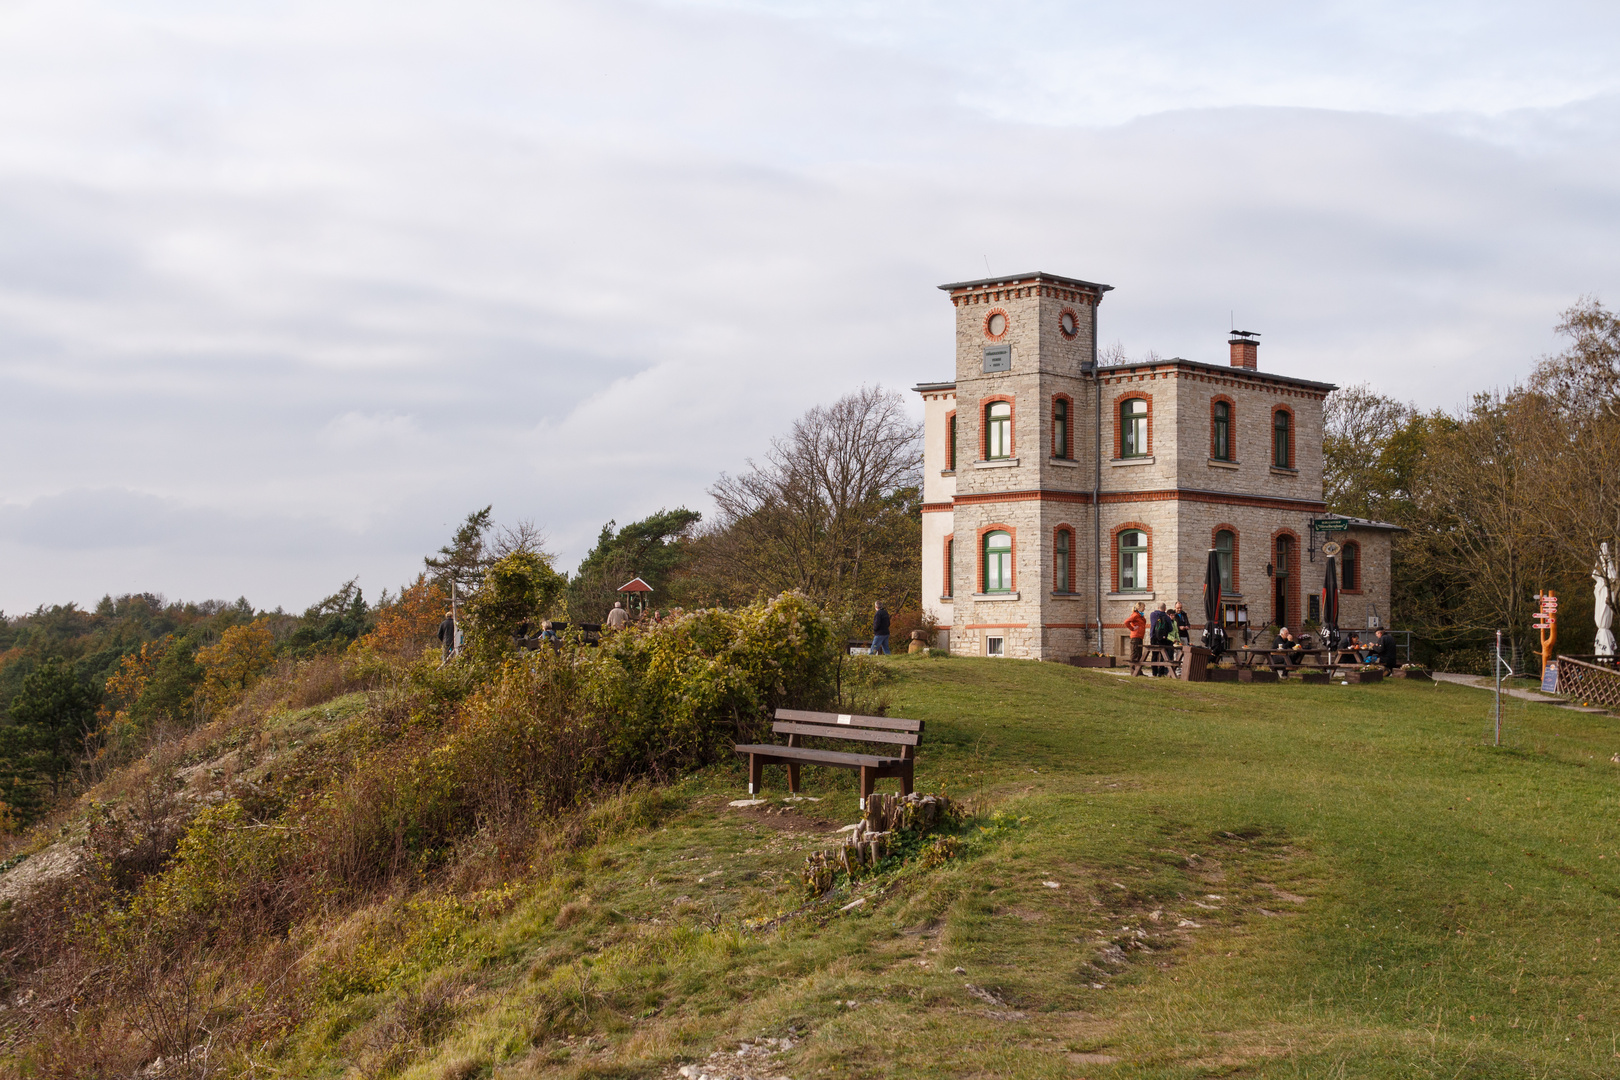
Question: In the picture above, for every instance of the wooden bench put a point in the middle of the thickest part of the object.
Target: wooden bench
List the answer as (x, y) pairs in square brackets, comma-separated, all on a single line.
[(796, 725)]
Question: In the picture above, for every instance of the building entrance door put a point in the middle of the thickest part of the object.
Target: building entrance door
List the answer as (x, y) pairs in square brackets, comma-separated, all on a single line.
[(1279, 580)]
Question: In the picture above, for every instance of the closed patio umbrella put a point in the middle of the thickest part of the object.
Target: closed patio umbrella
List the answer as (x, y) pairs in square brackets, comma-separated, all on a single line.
[(1214, 634), (1330, 604)]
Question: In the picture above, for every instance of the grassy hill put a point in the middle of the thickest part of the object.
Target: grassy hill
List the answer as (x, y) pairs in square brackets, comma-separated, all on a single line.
[(1159, 880)]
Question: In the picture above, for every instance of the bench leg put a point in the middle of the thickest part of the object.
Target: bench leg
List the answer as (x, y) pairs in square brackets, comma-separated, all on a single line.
[(906, 780), (793, 779), (868, 783), (756, 774)]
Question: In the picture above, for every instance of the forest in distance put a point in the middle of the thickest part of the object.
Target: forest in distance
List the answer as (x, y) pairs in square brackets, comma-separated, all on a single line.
[(1503, 497)]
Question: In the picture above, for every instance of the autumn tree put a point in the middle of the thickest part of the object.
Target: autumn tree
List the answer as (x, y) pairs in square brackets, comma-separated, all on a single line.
[(408, 622), (234, 663), (833, 511)]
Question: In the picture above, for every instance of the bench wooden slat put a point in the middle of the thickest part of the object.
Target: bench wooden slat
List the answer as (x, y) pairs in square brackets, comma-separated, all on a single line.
[(808, 754), (795, 723), (845, 720), (826, 731)]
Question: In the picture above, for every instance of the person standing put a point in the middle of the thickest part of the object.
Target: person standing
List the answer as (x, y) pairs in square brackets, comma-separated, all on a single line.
[(1136, 626), (880, 630), (1159, 624), (1183, 623), (618, 618), (447, 635)]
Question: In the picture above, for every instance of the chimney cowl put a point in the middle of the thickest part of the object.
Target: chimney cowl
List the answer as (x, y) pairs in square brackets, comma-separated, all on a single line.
[(1245, 345)]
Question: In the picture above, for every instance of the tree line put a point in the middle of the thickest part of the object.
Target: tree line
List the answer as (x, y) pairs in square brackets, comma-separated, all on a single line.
[(832, 510), (1508, 496)]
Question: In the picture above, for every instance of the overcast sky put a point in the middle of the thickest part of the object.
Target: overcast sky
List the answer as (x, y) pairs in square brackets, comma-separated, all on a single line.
[(286, 289)]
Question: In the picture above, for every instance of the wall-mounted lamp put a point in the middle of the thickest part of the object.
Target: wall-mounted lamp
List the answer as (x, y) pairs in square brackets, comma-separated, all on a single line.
[(1268, 570)]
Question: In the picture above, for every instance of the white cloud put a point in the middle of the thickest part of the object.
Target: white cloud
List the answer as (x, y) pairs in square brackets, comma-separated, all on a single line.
[(292, 287)]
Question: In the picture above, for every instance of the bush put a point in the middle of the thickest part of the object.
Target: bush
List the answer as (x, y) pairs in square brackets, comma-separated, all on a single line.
[(517, 590)]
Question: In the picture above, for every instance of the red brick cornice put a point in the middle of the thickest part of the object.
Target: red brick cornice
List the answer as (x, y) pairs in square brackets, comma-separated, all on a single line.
[(935, 508), (1168, 495)]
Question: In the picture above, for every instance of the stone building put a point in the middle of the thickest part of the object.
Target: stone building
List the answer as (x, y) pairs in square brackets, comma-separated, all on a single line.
[(1058, 494)]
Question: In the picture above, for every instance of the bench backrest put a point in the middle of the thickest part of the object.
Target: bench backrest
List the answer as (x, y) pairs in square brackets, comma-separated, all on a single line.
[(877, 729)]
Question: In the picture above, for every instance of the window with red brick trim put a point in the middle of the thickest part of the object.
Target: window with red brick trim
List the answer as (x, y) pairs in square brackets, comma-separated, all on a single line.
[(1222, 428), (1063, 552), (1144, 429), (998, 566), (950, 565), (1224, 539), (950, 441), (1132, 557), (996, 443), (1350, 567), (1062, 426), (1282, 437)]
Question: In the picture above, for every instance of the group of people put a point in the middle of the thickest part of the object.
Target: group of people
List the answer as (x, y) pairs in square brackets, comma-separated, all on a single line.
[(1381, 650), (1163, 627), (451, 635), (1160, 628)]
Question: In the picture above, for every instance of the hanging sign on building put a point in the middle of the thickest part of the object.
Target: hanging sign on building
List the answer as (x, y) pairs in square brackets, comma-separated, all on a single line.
[(1332, 524)]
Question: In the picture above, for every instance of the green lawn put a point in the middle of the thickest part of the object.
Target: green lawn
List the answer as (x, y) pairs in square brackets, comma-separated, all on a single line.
[(1258, 881)]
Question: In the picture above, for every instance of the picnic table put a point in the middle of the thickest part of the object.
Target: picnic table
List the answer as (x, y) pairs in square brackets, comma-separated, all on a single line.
[(1184, 660), (1283, 659)]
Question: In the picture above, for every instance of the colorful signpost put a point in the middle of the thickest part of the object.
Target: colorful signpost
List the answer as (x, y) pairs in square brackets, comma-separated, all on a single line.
[(1546, 621)]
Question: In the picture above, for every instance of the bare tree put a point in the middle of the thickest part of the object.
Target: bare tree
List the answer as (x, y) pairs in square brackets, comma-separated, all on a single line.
[(831, 511)]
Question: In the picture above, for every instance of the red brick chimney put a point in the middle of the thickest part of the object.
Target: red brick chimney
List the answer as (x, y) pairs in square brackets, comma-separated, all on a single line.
[(1245, 349)]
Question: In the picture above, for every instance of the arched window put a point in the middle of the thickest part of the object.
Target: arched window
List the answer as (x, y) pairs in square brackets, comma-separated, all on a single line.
[(1060, 427), (1350, 566), (950, 442), (1060, 562), (1280, 440), (1221, 444), (950, 565), (1225, 543), (998, 566), (1133, 565), (1280, 570), (1133, 427), (998, 430)]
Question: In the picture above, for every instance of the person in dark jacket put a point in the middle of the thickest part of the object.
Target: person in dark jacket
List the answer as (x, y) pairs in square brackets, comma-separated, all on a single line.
[(1290, 645), (1383, 650), (1183, 623), (880, 629), (447, 634)]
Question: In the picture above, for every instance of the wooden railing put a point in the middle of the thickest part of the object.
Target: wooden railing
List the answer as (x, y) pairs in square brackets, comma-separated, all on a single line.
[(1590, 678)]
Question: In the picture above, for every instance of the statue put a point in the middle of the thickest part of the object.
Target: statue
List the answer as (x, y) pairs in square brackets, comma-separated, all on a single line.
[(1602, 604)]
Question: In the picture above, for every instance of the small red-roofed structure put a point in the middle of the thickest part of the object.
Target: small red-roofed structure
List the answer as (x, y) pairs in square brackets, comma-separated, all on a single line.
[(636, 592)]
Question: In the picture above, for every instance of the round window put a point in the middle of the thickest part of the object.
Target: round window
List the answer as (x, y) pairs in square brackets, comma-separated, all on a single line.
[(996, 324), (1067, 322)]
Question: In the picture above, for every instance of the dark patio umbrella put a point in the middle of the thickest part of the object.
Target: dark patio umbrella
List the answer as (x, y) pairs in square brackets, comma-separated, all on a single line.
[(1330, 604), (1214, 635)]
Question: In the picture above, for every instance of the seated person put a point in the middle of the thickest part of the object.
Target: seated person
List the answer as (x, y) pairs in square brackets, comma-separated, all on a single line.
[(1292, 645), (1383, 650), (1357, 651)]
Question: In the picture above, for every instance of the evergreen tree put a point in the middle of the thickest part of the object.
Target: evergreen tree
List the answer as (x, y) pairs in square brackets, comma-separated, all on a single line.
[(51, 719)]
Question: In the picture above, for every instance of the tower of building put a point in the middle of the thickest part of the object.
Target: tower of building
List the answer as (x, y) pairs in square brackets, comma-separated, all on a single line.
[(1023, 427)]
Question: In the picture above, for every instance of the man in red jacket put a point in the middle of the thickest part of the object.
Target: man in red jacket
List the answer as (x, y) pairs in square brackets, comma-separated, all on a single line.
[(1136, 625)]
